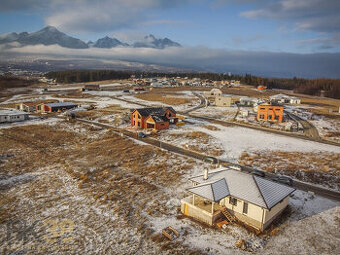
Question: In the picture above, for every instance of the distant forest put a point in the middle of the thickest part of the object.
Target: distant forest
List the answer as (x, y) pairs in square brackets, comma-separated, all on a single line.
[(15, 82), (330, 87)]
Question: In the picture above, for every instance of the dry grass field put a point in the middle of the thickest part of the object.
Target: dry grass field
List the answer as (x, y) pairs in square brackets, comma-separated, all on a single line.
[(94, 190), (319, 168), (170, 99), (195, 140)]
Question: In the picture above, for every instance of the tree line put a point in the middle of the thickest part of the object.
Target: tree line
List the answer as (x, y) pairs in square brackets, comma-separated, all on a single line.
[(316, 87)]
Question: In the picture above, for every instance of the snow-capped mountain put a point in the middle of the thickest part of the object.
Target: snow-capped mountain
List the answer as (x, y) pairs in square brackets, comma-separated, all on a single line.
[(151, 41), (50, 36), (108, 43), (46, 36)]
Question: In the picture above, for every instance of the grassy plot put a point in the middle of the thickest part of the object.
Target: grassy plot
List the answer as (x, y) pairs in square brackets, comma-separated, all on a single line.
[(320, 168), (170, 99), (100, 190)]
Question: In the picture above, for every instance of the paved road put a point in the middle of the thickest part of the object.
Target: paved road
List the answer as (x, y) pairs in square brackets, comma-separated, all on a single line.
[(331, 194)]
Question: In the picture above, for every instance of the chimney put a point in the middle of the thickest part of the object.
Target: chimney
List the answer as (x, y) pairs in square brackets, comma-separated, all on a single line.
[(205, 177)]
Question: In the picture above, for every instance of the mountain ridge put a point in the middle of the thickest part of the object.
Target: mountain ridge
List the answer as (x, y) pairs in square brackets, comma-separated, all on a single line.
[(50, 35)]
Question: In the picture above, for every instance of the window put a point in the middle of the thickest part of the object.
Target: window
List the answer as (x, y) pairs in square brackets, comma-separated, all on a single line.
[(245, 208), (262, 108), (277, 117), (270, 117), (261, 116), (233, 201)]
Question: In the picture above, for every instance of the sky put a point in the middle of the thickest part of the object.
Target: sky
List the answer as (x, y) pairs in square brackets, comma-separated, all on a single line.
[(276, 38), (294, 26)]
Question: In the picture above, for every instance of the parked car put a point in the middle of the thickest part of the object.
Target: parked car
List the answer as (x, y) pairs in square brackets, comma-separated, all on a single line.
[(283, 179), (126, 91), (210, 160), (258, 173), (141, 135), (235, 167)]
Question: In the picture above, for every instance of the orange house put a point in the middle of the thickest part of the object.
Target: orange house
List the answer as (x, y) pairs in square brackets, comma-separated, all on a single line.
[(270, 112), (157, 122), (156, 117), (261, 87)]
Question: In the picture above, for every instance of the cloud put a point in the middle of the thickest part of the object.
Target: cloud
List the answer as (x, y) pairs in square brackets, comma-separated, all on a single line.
[(202, 58), (93, 15), (323, 43), (315, 15), (9, 6), (244, 40), (105, 15)]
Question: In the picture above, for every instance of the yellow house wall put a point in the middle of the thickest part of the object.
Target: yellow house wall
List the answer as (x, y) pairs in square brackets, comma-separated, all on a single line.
[(253, 217), (270, 215)]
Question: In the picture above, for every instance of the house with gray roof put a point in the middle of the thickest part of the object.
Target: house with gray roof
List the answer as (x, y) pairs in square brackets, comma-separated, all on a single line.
[(11, 115), (156, 118), (250, 199)]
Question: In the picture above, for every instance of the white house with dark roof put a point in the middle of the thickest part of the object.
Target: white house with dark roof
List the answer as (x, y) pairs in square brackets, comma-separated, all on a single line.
[(253, 200), (284, 99)]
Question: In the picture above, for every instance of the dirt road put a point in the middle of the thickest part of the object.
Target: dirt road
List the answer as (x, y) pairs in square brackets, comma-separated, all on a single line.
[(331, 194)]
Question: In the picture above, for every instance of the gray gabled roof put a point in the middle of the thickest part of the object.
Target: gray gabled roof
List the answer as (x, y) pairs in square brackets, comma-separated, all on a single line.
[(11, 112), (154, 110), (253, 189), (272, 192), (61, 104), (159, 118), (213, 191)]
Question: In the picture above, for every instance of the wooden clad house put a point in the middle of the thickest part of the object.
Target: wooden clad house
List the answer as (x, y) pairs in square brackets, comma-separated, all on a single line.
[(154, 117)]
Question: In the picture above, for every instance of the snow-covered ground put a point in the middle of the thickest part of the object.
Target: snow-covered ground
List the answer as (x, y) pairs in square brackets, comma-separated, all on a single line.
[(328, 128), (221, 113), (77, 86), (303, 206), (236, 140), (181, 107), (31, 121)]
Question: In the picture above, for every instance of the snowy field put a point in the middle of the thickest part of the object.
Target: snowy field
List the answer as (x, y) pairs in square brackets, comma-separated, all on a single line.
[(115, 196), (236, 140), (220, 113), (328, 128), (31, 121)]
